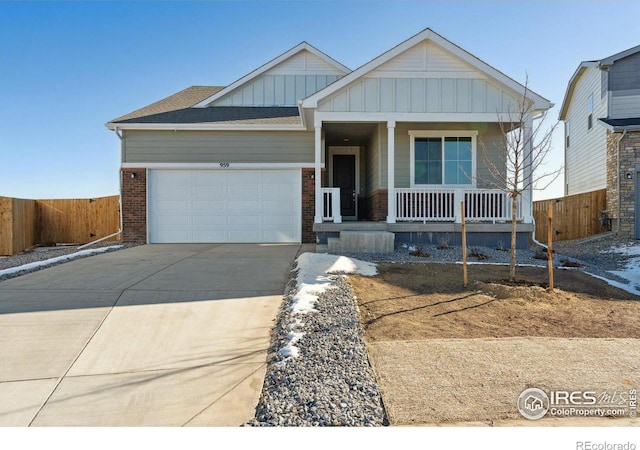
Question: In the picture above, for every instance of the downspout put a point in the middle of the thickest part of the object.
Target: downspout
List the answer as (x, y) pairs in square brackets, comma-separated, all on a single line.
[(533, 234), (624, 132), (119, 202)]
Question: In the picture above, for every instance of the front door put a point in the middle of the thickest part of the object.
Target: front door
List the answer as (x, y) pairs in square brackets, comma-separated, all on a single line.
[(344, 177)]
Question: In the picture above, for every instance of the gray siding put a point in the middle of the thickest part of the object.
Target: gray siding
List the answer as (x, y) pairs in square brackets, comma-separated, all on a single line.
[(585, 168), (624, 74), (433, 95), (276, 90), (218, 146)]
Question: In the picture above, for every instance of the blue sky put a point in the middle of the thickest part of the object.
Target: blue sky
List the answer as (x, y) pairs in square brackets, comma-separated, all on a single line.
[(66, 68)]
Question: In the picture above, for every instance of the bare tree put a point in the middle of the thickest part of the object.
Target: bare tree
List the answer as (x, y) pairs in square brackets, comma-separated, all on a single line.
[(526, 147)]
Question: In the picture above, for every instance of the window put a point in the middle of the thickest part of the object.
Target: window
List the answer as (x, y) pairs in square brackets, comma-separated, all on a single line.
[(566, 133), (442, 158), (590, 112)]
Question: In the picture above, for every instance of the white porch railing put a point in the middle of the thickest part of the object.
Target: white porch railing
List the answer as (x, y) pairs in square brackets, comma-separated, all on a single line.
[(443, 205), (331, 205)]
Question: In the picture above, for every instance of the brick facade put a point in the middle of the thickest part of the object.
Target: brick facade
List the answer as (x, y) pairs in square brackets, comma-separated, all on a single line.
[(377, 205), (308, 205), (629, 162), (134, 205)]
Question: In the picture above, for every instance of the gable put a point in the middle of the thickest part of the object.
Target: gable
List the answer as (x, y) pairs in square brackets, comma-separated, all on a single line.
[(426, 73), (425, 56), (423, 79), (297, 77)]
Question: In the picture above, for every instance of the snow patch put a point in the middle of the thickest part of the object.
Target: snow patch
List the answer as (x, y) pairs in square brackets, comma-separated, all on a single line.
[(50, 261), (314, 278), (631, 271)]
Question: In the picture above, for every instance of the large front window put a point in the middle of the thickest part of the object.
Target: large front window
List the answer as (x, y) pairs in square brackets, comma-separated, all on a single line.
[(442, 159)]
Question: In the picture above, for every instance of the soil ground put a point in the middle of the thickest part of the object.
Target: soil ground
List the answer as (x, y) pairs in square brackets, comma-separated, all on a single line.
[(424, 301), (448, 355)]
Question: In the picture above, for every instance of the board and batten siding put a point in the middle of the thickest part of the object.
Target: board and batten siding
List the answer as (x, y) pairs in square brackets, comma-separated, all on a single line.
[(292, 80), (585, 158), (218, 146), (421, 95), (423, 79)]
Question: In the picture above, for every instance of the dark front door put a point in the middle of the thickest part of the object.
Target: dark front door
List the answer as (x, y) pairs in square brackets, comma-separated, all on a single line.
[(344, 177)]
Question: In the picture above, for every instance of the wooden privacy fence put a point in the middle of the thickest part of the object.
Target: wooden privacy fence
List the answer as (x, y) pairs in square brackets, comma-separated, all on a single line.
[(574, 217), (25, 223)]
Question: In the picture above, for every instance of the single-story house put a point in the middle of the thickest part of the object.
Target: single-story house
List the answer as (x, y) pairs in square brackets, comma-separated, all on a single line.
[(303, 149)]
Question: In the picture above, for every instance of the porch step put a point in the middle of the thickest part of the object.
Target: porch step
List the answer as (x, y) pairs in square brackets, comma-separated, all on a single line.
[(362, 242)]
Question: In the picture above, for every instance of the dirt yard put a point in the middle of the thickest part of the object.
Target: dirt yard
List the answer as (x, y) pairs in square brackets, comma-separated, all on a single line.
[(445, 354)]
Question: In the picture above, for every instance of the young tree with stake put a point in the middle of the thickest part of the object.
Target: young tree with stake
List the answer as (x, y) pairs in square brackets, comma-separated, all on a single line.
[(526, 147)]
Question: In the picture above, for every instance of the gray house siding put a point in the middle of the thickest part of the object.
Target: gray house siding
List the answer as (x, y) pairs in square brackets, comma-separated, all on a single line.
[(218, 146), (624, 87)]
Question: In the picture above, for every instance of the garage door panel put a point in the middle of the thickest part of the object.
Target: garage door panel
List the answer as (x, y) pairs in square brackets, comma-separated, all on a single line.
[(172, 208), (243, 192), (171, 177), (244, 221), (206, 192), (274, 222), (208, 207), (224, 205), (243, 177), (247, 206), (208, 178), (212, 222)]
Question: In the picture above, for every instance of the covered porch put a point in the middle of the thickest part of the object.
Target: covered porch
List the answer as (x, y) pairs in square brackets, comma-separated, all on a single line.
[(364, 172)]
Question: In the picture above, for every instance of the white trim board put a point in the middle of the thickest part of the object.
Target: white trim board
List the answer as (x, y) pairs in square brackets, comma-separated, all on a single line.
[(218, 166)]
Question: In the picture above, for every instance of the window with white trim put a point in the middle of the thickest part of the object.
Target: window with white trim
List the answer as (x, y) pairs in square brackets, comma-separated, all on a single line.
[(567, 133), (590, 112), (444, 158)]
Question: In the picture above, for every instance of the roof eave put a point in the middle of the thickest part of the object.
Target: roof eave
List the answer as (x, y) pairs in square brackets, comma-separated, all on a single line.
[(114, 126), (571, 86)]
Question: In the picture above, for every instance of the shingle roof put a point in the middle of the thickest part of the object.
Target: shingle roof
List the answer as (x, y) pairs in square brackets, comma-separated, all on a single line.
[(180, 100), (224, 114)]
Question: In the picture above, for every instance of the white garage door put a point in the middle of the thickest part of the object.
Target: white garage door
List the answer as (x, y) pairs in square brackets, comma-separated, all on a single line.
[(224, 206)]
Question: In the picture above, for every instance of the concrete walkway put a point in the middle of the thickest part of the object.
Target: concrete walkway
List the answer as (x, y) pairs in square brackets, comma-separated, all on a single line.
[(157, 335)]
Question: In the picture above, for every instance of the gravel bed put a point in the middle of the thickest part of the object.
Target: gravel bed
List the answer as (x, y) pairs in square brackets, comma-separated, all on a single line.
[(331, 382), (43, 253), (451, 254)]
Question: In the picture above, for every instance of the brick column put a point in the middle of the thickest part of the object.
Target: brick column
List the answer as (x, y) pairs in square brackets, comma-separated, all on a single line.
[(134, 205), (308, 205)]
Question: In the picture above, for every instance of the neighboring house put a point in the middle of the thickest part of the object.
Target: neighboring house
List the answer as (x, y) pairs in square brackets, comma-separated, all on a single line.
[(303, 149), (601, 113)]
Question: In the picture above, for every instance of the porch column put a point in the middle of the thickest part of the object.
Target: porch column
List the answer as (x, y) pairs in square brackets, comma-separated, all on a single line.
[(318, 172), (527, 194), (391, 182)]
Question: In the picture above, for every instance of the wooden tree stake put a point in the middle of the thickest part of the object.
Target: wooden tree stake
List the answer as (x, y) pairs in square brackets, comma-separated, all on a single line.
[(464, 246), (550, 243)]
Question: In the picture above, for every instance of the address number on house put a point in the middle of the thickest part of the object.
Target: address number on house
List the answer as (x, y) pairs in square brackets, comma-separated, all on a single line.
[(224, 165)]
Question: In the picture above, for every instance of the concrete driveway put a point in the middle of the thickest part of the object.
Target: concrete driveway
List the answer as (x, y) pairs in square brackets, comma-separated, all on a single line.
[(156, 335)]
